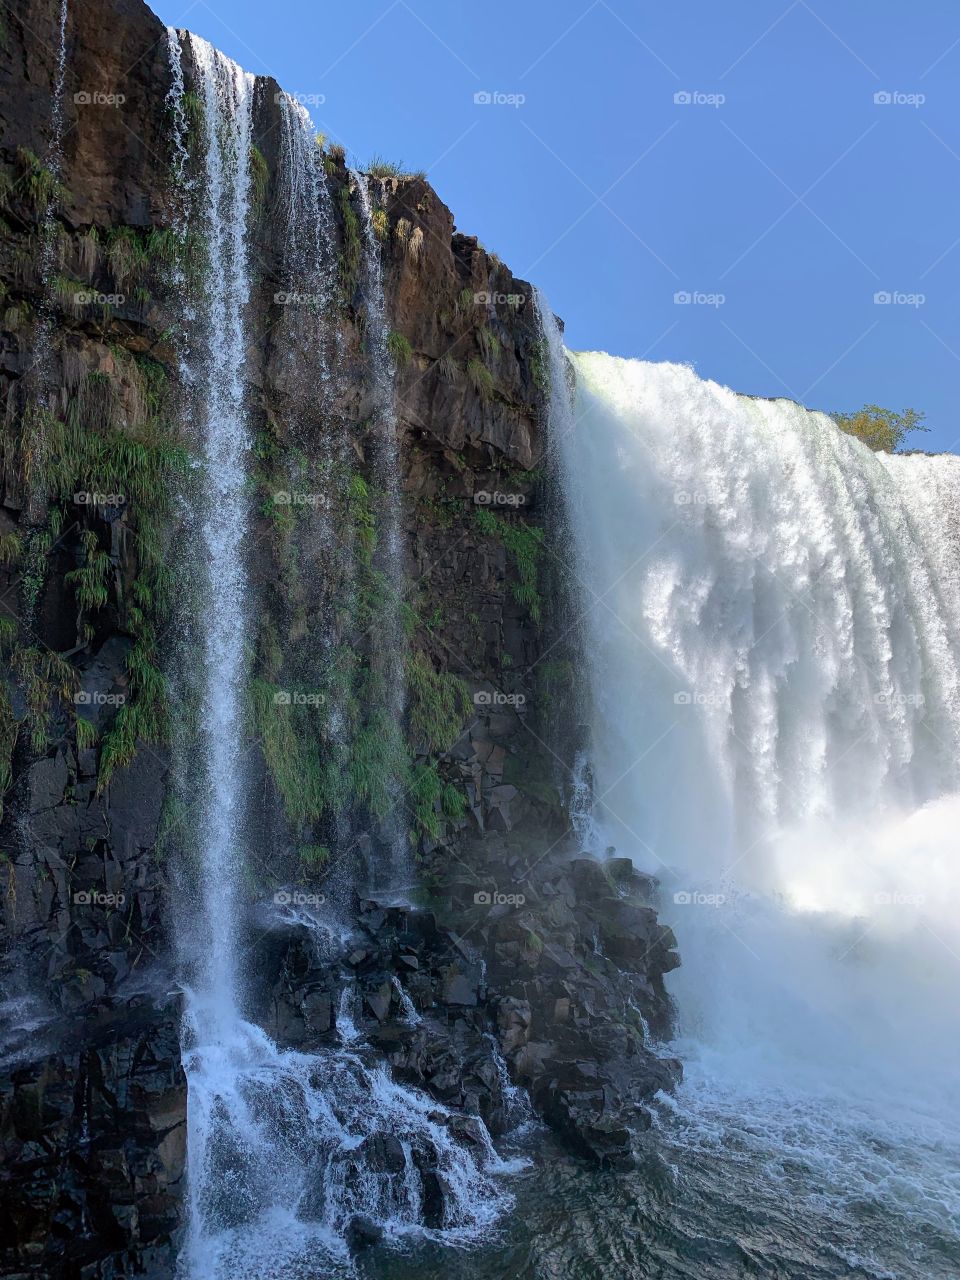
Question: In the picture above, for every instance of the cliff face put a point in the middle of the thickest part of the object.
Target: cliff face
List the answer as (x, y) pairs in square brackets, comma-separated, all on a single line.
[(96, 277)]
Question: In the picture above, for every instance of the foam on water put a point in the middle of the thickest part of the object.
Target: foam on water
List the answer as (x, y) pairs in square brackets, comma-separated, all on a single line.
[(773, 633)]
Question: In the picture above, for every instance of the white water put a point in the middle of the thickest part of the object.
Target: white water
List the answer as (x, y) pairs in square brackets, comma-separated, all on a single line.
[(284, 1148), (227, 95), (772, 625), (389, 643)]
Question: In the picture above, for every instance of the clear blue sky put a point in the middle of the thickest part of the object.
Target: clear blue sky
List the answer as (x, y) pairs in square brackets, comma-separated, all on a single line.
[(798, 198)]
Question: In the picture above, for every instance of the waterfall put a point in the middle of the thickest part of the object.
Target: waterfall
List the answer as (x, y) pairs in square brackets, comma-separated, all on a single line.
[(773, 641), (389, 644), (227, 96), (284, 1149)]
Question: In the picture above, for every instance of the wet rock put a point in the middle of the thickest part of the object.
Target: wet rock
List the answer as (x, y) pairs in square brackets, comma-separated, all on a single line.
[(362, 1233)]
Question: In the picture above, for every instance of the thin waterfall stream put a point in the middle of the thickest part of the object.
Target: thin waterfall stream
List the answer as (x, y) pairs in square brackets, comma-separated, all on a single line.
[(281, 1144)]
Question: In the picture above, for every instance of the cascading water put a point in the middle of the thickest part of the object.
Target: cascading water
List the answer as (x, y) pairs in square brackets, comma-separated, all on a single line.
[(388, 638), (773, 631), (285, 1149)]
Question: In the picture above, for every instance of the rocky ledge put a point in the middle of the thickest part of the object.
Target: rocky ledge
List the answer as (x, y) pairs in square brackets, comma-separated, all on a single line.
[(556, 987)]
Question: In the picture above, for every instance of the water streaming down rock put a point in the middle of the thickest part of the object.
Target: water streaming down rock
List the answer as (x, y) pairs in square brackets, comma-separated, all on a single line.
[(226, 93), (286, 1151), (774, 638), (388, 639)]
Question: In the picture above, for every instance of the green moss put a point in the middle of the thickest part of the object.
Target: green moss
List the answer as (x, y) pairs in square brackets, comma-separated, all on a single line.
[(489, 343), (439, 704), (36, 184), (524, 543), (11, 548), (352, 252), (259, 178), (480, 378), (314, 857), (44, 677), (400, 349)]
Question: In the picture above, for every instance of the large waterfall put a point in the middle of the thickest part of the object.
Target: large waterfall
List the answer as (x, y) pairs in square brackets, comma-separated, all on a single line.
[(772, 622)]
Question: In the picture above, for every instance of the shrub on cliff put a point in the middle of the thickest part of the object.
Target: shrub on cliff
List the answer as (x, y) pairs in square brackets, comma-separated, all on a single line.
[(883, 430)]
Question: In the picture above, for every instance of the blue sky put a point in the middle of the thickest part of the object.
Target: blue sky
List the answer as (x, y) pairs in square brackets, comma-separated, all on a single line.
[(781, 198)]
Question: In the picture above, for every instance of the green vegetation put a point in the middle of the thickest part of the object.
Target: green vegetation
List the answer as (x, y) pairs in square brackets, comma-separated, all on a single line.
[(882, 430), (380, 223), (381, 168), (259, 178), (400, 349), (36, 184), (524, 544), (448, 367), (439, 705), (352, 252), (489, 343), (481, 379), (112, 445)]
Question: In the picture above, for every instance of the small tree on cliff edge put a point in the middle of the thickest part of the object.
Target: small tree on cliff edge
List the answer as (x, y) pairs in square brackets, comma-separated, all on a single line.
[(882, 429)]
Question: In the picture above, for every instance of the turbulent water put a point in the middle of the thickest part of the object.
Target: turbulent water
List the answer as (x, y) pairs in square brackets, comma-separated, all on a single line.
[(772, 621)]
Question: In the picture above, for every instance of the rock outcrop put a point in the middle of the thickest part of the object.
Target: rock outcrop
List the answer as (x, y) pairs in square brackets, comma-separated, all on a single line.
[(528, 970)]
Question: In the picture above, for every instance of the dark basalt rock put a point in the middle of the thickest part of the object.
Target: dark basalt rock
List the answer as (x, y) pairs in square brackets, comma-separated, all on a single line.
[(558, 972)]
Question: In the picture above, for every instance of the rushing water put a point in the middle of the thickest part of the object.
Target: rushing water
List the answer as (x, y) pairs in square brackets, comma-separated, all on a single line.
[(388, 639), (773, 625), (285, 1149)]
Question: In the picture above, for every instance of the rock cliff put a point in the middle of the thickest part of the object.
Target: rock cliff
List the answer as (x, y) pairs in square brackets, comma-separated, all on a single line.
[(518, 955)]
